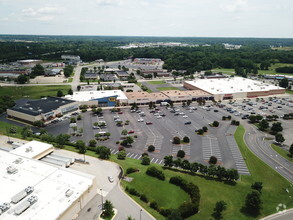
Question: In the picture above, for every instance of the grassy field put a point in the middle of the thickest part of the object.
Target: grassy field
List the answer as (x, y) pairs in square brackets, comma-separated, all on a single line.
[(4, 128), (282, 152), (70, 80), (32, 92), (270, 71), (167, 88), (140, 84), (289, 91), (156, 82)]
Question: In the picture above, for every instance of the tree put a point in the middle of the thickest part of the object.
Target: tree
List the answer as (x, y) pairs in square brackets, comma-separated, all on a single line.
[(186, 139), (21, 79), (26, 132), (176, 140), (279, 138), (284, 83), (219, 208), (104, 152), (79, 144), (145, 160), (151, 148), (37, 70), (291, 150), (121, 155), (124, 132), (263, 125), (253, 203), (92, 143), (257, 186), (38, 123), (62, 139), (108, 210), (205, 129), (181, 154), (168, 161), (59, 93), (70, 92), (78, 88), (213, 160), (174, 215), (276, 127), (215, 123), (177, 162)]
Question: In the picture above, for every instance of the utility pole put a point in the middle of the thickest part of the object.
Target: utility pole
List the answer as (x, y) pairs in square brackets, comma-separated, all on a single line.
[(102, 198)]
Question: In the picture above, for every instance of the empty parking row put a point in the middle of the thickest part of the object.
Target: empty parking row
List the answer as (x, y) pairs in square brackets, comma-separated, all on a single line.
[(210, 147)]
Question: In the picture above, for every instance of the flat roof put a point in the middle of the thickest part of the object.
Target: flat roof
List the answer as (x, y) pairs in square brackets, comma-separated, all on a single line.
[(158, 95), (32, 149), (191, 93), (231, 85), (138, 95), (83, 96), (37, 107), (50, 185)]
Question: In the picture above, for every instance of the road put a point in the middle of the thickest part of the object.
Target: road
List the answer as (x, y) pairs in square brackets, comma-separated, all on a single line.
[(261, 148)]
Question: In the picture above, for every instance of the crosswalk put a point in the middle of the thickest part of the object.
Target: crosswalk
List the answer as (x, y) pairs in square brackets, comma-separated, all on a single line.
[(236, 154), (138, 156), (210, 147)]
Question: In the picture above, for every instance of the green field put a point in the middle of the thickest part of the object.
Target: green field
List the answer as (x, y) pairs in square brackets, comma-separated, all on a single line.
[(156, 82), (4, 129), (167, 88), (270, 71), (32, 92), (70, 80), (289, 91), (282, 152)]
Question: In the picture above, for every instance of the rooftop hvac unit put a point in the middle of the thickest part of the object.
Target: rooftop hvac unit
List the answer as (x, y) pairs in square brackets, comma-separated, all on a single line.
[(28, 149), (4, 207), (18, 160), (68, 193), (56, 100), (11, 170)]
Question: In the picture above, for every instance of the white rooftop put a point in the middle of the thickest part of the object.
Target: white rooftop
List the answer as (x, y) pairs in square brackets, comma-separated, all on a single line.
[(93, 95), (50, 184), (32, 149), (231, 85)]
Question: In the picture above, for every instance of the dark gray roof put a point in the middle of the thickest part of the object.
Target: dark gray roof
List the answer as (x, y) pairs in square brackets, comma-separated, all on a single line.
[(90, 75), (107, 77), (122, 73), (37, 107)]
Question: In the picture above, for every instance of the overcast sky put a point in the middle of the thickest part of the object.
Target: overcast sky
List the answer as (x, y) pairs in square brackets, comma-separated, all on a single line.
[(196, 18)]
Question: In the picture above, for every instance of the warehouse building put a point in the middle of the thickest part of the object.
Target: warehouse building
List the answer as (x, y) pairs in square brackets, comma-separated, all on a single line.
[(31, 189), (103, 98), (233, 88), (44, 109)]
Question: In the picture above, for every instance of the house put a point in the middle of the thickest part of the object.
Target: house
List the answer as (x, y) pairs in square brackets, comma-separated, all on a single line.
[(122, 75), (107, 77), (90, 76)]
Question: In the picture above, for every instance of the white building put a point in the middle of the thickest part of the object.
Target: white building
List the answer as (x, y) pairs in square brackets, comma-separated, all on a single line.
[(61, 193), (103, 98), (233, 88)]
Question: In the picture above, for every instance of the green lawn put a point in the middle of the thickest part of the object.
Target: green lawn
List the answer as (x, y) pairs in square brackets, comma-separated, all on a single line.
[(70, 80), (32, 92), (167, 88), (4, 128), (282, 152), (156, 82), (289, 91)]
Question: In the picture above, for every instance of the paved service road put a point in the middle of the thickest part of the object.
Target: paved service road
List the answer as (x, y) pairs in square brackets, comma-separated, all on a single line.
[(126, 206), (255, 141)]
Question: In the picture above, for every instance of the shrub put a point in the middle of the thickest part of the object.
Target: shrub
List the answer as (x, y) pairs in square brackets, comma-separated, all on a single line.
[(188, 209), (176, 140), (154, 205), (154, 172), (144, 198), (205, 129), (165, 212), (133, 191), (216, 124), (186, 139), (200, 132), (12, 130), (145, 160), (121, 155), (213, 160), (131, 170), (144, 154), (151, 148), (117, 142), (104, 152), (181, 154)]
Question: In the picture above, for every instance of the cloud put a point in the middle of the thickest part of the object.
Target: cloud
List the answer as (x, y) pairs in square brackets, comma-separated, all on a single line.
[(235, 6), (47, 13), (109, 2)]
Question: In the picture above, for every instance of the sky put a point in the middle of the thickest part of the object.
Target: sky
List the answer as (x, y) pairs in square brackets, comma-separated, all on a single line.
[(187, 18)]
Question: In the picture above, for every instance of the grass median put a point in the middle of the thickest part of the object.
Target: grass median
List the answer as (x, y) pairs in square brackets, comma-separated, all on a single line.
[(282, 152)]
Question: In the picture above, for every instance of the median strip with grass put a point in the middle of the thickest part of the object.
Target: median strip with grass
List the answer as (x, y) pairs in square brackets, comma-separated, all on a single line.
[(156, 82), (167, 88), (282, 152)]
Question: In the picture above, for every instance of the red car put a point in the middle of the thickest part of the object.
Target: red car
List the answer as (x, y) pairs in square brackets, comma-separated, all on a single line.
[(149, 123), (120, 113), (130, 132)]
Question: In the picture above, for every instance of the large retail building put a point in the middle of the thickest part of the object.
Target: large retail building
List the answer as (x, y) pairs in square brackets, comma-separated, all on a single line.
[(233, 88)]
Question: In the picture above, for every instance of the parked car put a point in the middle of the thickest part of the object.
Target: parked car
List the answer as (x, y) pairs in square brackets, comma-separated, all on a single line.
[(216, 110), (149, 123), (188, 123), (140, 120), (120, 113), (185, 116), (130, 132)]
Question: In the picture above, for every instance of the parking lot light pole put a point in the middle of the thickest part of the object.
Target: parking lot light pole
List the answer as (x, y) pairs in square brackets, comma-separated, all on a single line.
[(140, 214), (102, 198)]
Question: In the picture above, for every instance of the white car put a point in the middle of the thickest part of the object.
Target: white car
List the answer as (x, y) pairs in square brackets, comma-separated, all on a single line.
[(181, 113), (185, 116), (140, 120), (111, 179), (159, 116)]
